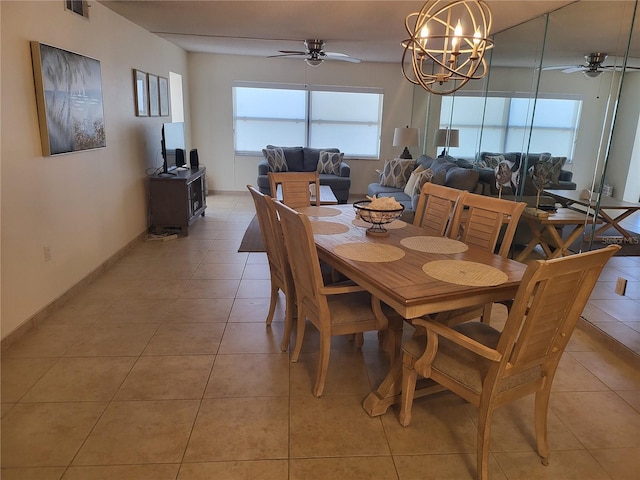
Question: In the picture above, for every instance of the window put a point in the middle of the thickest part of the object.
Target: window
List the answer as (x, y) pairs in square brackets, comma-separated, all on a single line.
[(346, 118), (506, 122)]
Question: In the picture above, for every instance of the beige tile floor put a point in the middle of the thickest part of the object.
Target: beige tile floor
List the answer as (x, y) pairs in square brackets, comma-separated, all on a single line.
[(163, 368)]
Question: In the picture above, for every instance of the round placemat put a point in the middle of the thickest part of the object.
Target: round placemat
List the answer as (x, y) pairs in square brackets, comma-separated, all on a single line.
[(462, 272), (369, 252), (428, 244), (323, 227), (389, 226), (319, 211)]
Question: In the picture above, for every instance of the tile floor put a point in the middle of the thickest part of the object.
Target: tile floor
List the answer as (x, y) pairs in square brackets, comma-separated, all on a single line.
[(163, 368)]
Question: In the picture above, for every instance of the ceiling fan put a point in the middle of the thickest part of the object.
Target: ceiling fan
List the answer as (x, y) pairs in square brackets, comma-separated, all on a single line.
[(315, 54), (591, 68)]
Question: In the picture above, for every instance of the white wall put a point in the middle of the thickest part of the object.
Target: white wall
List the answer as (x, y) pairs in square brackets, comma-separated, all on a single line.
[(87, 205), (210, 84)]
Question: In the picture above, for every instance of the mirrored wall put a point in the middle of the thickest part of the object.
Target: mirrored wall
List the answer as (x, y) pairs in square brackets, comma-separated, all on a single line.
[(539, 97)]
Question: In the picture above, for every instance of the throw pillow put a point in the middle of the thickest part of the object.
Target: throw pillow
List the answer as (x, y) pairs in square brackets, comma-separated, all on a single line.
[(429, 176), (396, 172), (329, 162), (411, 183), (276, 160), (508, 175), (491, 161)]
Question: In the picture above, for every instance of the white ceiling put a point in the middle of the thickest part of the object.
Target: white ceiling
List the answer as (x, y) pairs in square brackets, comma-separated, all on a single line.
[(370, 30)]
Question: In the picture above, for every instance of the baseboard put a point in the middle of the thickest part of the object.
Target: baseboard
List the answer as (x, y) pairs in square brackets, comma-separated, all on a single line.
[(610, 343), (56, 304)]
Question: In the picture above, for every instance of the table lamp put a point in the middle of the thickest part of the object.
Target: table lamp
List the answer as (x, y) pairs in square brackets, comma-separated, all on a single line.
[(407, 137), (447, 137)]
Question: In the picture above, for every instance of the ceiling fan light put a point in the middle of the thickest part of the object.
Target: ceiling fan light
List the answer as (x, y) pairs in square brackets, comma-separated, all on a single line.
[(313, 62), (591, 73)]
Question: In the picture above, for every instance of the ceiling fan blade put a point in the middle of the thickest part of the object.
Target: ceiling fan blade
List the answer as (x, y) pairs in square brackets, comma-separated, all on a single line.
[(292, 54), (340, 56), (296, 52), (562, 67), (574, 69)]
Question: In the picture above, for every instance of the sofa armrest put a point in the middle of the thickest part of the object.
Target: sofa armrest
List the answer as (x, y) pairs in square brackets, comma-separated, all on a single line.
[(263, 168), (345, 170)]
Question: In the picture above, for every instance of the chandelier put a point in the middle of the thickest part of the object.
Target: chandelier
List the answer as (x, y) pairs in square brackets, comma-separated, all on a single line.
[(448, 40)]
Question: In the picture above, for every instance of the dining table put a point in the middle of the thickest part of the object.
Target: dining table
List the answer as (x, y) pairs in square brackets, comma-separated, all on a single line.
[(411, 272)]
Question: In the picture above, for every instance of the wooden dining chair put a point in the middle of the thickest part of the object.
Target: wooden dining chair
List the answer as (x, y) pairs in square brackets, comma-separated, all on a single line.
[(279, 270), (481, 221), (337, 309), (436, 207), (489, 368), (295, 187)]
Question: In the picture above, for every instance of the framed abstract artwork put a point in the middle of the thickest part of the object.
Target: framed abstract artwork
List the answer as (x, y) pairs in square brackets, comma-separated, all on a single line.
[(163, 85), (154, 97), (69, 100), (142, 93)]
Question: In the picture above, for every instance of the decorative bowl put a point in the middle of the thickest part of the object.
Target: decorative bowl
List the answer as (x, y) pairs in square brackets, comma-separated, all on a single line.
[(377, 218)]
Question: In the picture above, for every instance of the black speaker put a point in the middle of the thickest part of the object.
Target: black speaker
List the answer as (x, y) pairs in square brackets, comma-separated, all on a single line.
[(193, 158), (180, 157)]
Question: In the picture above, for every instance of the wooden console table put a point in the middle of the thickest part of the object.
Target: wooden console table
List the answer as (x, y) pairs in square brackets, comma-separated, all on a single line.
[(570, 197), (545, 233), (177, 200)]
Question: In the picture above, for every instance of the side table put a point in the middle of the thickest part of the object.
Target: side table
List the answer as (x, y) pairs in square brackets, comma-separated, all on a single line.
[(545, 233)]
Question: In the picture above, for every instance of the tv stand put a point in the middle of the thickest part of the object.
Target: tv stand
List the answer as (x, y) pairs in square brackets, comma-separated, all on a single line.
[(176, 200)]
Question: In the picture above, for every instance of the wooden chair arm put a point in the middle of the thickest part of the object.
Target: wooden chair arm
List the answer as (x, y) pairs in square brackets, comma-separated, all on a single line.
[(458, 338)]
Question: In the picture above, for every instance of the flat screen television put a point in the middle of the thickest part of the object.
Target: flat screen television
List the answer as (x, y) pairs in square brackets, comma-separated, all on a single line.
[(173, 146)]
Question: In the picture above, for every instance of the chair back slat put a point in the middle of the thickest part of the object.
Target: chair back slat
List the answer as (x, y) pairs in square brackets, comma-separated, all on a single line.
[(303, 258), (271, 234), (295, 187), (436, 207), (480, 219), (548, 306)]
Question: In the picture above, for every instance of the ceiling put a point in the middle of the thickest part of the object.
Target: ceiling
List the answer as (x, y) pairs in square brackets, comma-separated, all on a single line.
[(370, 30)]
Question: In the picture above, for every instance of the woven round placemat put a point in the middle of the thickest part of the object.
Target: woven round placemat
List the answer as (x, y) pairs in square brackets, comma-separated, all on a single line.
[(323, 227), (319, 211), (369, 252), (462, 272), (428, 244), (389, 226)]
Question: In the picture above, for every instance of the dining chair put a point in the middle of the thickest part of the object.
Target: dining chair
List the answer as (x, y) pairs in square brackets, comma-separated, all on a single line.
[(481, 221), (337, 309), (279, 270), (436, 207), (295, 187), (489, 368)]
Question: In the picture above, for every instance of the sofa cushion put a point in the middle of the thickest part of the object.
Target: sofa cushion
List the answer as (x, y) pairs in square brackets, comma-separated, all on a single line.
[(462, 178), (396, 172), (294, 157), (311, 157), (329, 162), (429, 175), (275, 158), (441, 164)]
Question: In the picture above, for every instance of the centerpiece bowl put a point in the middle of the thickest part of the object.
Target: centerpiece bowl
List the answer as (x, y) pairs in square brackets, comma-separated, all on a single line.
[(377, 218)]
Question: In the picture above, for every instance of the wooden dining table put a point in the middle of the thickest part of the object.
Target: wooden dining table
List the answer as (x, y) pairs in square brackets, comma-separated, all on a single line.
[(414, 274)]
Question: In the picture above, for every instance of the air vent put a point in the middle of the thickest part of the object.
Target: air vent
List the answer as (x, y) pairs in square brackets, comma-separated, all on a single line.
[(79, 7)]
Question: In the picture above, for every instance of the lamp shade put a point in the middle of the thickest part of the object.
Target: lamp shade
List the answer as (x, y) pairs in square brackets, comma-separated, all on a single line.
[(405, 137), (443, 133)]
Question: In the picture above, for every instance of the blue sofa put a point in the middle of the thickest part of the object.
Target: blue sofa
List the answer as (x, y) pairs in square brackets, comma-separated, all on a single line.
[(305, 159)]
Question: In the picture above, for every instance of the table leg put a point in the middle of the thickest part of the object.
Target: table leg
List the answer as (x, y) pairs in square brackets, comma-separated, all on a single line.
[(536, 232), (388, 393), (562, 246), (614, 222)]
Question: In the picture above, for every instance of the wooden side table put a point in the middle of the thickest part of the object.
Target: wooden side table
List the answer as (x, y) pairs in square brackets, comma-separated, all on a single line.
[(545, 233)]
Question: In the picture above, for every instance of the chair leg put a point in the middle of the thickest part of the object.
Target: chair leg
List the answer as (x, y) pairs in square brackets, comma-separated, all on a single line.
[(486, 313), (289, 315), (323, 363), (359, 339), (274, 300), (409, 378), (541, 412), (484, 435), (299, 335)]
